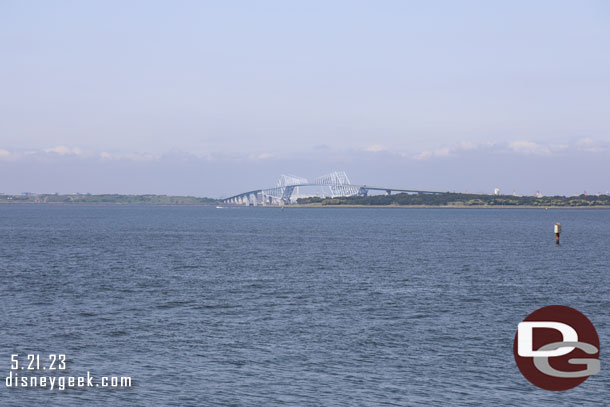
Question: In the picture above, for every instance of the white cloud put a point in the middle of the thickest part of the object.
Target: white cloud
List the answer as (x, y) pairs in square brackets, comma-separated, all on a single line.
[(63, 150), (466, 145), (249, 157), (6, 155), (439, 152), (375, 148), (529, 147), (589, 145), (523, 147), (141, 157), (448, 151), (520, 147), (104, 155), (203, 156)]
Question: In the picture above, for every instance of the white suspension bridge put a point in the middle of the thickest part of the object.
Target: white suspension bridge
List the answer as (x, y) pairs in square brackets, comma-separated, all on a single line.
[(337, 183)]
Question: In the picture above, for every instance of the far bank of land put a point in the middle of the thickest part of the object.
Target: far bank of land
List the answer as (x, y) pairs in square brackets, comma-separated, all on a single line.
[(443, 200), (451, 199)]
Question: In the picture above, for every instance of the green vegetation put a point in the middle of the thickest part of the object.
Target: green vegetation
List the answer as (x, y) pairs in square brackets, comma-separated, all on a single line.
[(455, 199), (446, 199), (108, 199)]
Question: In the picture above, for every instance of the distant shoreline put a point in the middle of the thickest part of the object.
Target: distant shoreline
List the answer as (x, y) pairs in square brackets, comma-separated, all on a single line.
[(106, 199), (305, 206), (434, 201), (102, 204), (606, 207)]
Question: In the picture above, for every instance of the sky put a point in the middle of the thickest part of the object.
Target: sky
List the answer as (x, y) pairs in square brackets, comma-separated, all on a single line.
[(212, 98)]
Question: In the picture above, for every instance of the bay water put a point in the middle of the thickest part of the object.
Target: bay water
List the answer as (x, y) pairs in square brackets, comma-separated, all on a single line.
[(301, 307)]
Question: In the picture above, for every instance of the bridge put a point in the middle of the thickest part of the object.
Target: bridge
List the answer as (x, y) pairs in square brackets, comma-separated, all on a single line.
[(337, 182)]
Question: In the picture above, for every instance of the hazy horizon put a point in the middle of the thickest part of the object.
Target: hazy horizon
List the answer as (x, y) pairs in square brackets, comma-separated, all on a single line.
[(215, 98)]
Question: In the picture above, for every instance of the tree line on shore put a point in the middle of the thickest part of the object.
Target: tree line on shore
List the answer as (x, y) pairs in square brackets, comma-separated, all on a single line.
[(108, 199), (459, 199), (402, 199)]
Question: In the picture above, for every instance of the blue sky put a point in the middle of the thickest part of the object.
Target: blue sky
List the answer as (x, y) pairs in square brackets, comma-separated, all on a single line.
[(209, 98)]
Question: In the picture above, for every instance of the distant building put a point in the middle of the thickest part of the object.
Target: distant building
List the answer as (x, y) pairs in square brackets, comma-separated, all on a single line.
[(496, 191)]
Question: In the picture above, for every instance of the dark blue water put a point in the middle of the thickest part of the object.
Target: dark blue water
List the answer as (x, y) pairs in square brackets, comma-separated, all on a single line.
[(305, 307)]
